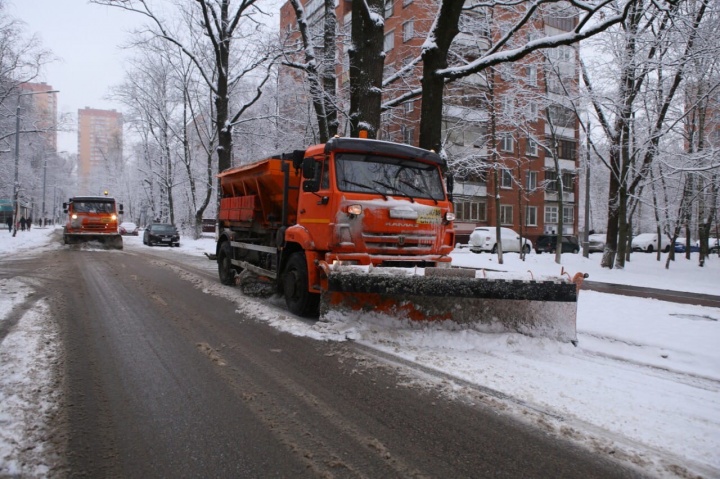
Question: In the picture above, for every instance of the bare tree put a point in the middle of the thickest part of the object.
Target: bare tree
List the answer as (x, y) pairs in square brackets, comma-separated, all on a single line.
[(213, 30), (654, 45), (318, 66)]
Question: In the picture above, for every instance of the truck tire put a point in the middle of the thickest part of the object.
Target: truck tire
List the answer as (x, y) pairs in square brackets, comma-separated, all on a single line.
[(299, 300), (225, 267)]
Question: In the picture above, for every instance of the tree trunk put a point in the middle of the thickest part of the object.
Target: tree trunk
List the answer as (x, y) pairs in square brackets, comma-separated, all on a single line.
[(433, 85), (366, 67)]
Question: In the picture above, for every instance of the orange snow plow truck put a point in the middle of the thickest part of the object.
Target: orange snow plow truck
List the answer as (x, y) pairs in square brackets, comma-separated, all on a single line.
[(366, 225), (92, 218)]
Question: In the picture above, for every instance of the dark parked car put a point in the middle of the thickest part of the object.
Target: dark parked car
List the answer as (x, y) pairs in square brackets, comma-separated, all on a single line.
[(161, 233), (546, 244)]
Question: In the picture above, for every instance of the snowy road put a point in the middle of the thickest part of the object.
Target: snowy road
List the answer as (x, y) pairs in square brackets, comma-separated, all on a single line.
[(163, 380)]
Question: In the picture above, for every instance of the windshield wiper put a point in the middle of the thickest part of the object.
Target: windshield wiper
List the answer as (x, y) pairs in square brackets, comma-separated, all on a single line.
[(418, 189), (398, 191), (366, 187)]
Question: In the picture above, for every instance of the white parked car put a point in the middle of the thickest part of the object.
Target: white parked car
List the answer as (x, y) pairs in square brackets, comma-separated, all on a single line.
[(648, 242), (484, 239)]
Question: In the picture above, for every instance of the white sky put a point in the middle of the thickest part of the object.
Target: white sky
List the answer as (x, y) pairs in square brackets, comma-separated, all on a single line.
[(643, 381), (86, 38)]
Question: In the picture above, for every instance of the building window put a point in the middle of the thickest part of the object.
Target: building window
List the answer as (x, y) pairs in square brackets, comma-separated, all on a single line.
[(531, 183), (408, 30), (531, 75), (406, 3), (531, 216), (409, 106), (506, 215), (555, 85), (568, 215), (561, 116), (566, 149), (531, 147), (389, 8), (531, 111), (563, 53), (471, 211), (506, 179), (408, 134), (550, 180), (508, 106), (506, 142), (389, 42), (568, 180), (551, 214)]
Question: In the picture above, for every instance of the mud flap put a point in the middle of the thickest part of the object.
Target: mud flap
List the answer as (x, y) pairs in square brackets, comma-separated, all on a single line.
[(535, 308)]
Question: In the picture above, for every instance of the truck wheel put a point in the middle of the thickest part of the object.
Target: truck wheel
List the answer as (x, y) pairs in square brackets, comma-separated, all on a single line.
[(299, 300), (225, 267)]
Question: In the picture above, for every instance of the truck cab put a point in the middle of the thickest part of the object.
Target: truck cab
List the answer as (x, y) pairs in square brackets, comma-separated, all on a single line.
[(92, 218)]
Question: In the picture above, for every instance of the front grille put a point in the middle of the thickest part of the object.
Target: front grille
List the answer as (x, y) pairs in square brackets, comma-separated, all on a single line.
[(416, 243)]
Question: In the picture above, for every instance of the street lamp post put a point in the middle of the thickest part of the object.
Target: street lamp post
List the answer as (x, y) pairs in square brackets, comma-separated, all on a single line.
[(16, 185)]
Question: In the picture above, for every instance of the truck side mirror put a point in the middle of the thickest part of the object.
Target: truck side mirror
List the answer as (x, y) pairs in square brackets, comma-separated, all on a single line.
[(65, 207), (310, 186), (120, 210)]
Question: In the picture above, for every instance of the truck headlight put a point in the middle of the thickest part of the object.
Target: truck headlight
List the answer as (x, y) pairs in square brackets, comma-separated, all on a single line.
[(354, 210), (449, 216), (113, 217)]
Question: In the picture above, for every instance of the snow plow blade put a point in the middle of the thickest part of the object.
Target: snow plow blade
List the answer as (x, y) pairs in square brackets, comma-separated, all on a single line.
[(107, 241), (533, 307)]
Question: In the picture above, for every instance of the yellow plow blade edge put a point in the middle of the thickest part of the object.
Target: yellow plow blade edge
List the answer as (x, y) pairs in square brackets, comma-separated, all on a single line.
[(535, 308)]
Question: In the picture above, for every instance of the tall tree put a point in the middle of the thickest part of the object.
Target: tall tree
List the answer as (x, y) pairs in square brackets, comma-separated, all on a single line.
[(221, 37), (366, 66)]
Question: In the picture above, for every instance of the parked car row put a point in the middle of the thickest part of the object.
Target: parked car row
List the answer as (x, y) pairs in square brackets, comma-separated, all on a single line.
[(483, 239)]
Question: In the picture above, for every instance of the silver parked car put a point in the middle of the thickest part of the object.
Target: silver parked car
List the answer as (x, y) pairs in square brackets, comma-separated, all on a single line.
[(596, 242)]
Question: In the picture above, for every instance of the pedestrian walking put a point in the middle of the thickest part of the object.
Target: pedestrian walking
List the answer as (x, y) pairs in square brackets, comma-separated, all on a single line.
[(22, 223), (29, 222), (9, 223)]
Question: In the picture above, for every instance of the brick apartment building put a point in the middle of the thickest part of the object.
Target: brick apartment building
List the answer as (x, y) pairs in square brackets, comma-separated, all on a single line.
[(490, 153), (100, 135), (44, 107)]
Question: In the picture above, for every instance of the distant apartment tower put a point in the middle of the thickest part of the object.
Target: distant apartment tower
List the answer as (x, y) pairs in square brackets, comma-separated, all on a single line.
[(100, 144), (43, 112)]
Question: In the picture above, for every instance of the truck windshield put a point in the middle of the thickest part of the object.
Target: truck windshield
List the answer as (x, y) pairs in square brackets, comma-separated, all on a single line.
[(388, 176), (93, 207)]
